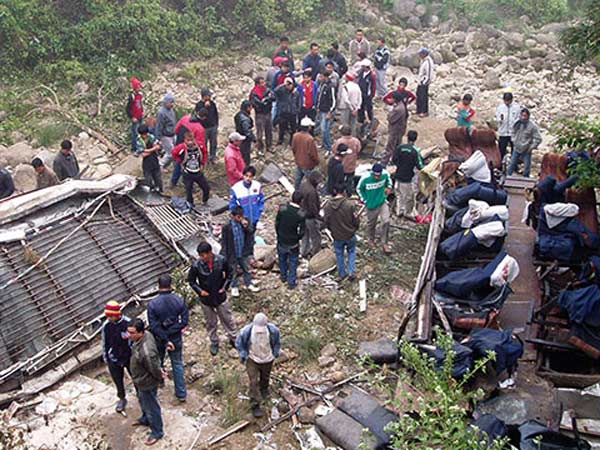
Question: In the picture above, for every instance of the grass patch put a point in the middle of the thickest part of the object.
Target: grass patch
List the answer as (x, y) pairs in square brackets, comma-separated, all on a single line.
[(307, 346), (52, 133), (226, 384)]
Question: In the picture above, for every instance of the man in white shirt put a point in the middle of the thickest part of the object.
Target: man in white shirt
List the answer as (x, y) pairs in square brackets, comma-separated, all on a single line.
[(507, 114), (349, 101), (426, 76)]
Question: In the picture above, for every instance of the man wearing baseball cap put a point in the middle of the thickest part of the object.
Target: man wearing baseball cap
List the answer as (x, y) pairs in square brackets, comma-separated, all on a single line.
[(116, 352), (305, 151), (234, 161), (373, 189), (258, 344)]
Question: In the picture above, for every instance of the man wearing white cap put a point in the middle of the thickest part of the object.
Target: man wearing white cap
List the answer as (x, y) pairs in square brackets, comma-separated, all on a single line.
[(367, 81), (426, 75), (305, 151), (234, 160), (258, 344)]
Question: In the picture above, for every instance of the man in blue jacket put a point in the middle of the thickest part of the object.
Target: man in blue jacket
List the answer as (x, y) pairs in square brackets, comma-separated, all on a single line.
[(248, 194), (258, 344), (312, 60), (168, 315)]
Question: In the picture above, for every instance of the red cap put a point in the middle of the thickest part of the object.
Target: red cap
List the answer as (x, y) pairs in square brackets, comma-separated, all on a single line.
[(136, 84), (279, 60)]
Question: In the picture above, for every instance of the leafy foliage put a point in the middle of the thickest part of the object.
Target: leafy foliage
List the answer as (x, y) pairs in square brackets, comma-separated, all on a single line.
[(582, 41), (441, 422)]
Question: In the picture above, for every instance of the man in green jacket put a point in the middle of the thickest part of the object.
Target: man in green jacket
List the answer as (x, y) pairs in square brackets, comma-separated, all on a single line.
[(373, 189), (147, 376)]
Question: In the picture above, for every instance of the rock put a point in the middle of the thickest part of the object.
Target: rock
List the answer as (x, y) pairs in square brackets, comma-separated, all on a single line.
[(458, 36), (337, 376), (491, 80), (431, 21), (477, 40), (307, 416), (530, 43), (329, 350), (20, 153), (103, 170), (381, 351), (130, 166), (47, 156), (407, 57), (546, 39), (442, 71), (3, 116), (491, 31), (420, 10), (538, 52), (404, 8), (414, 22), (100, 160), (24, 178), (515, 41), (325, 361), (83, 136), (447, 53), (246, 67), (460, 50), (95, 152), (437, 57), (555, 28), (16, 136), (322, 261)]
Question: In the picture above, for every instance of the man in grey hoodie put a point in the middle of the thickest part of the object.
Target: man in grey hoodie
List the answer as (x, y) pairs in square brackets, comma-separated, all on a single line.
[(526, 138), (165, 128)]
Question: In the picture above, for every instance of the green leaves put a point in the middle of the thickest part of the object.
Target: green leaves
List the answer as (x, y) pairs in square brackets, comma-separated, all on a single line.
[(582, 41)]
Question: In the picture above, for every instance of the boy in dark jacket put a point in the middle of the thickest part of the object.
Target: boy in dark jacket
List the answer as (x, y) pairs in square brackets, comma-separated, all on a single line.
[(236, 246), (290, 225), (342, 220), (211, 123), (311, 205), (167, 316), (262, 99), (115, 349), (210, 277), (245, 125)]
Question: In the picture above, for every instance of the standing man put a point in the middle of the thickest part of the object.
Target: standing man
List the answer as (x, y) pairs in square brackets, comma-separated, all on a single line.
[(426, 76), (192, 162), (258, 344), (234, 161), (135, 109), (248, 194), (407, 160), (351, 157), (308, 91), (305, 151), (350, 101), (367, 81), (507, 114), (335, 169), (397, 118), (311, 205), (407, 96), (148, 147), (237, 243), (65, 163), (192, 123), (262, 99), (339, 59), (168, 316), (359, 45), (373, 189), (290, 224), (326, 103), (382, 62), (211, 123), (116, 352), (165, 128), (526, 138), (210, 277), (312, 60), (342, 220), (288, 104), (7, 186), (147, 377), (44, 176), (284, 51), (245, 125)]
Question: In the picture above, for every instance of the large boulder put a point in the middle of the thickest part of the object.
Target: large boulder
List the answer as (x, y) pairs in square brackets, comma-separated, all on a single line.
[(20, 153), (538, 52), (477, 40), (447, 52), (546, 38), (407, 57), (322, 261), (420, 10), (404, 8), (491, 80), (515, 41), (47, 156), (25, 178), (431, 21), (555, 28), (458, 36), (414, 22)]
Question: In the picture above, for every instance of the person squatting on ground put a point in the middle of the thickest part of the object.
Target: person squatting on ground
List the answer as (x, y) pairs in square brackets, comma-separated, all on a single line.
[(147, 377), (116, 351), (258, 345), (210, 277), (290, 225), (168, 316)]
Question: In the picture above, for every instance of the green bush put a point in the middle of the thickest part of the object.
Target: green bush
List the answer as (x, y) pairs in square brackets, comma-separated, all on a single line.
[(582, 41)]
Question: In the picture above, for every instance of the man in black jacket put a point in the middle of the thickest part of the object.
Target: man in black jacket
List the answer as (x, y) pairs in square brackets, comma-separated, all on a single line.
[(65, 164), (210, 277), (244, 125), (311, 205), (211, 123), (339, 59), (290, 224), (288, 106), (326, 103), (167, 316), (262, 98), (237, 246), (407, 160), (335, 170)]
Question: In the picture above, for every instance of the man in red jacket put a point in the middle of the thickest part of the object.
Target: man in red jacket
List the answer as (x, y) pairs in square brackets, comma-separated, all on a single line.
[(192, 123), (135, 109), (234, 161)]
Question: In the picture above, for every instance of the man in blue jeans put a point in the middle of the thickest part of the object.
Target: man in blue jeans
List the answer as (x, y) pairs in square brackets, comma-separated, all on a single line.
[(290, 225), (147, 376), (326, 103), (168, 315), (342, 220)]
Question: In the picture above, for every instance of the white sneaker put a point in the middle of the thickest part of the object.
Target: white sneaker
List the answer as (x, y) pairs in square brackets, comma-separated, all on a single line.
[(235, 292), (253, 288)]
